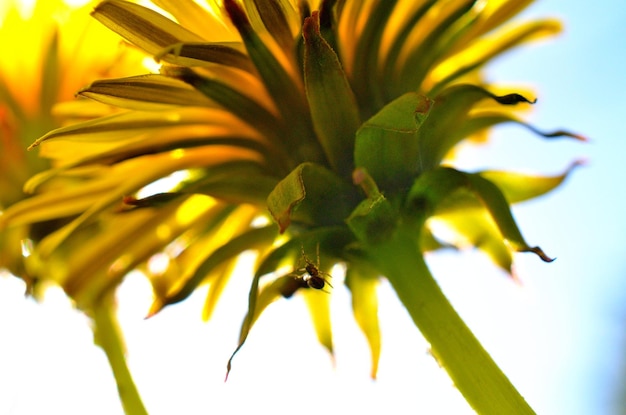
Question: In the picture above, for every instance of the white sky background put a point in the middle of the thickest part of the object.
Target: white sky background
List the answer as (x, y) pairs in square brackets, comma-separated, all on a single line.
[(558, 337)]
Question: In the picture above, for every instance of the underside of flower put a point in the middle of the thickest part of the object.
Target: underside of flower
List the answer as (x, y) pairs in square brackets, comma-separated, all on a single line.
[(334, 121)]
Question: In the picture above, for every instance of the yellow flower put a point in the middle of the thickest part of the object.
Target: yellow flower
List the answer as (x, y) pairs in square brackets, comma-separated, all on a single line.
[(333, 120), (45, 66)]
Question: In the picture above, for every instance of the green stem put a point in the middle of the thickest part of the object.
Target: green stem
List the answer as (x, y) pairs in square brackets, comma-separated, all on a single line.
[(475, 374), (108, 336)]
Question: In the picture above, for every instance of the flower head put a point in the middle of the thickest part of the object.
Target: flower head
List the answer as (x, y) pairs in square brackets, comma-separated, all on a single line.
[(45, 67), (333, 121)]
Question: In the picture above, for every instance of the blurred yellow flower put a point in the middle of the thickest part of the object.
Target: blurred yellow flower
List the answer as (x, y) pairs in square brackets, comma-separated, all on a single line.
[(45, 66)]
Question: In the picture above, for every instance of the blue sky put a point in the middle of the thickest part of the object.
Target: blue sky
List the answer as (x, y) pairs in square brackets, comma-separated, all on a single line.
[(581, 305)]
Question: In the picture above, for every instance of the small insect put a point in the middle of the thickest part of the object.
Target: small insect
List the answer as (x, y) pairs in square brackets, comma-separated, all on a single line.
[(310, 275)]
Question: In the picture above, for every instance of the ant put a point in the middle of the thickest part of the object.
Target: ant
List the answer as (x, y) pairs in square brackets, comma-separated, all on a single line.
[(310, 275)]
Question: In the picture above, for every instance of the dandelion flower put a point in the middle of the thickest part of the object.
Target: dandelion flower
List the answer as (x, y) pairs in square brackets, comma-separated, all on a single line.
[(334, 121)]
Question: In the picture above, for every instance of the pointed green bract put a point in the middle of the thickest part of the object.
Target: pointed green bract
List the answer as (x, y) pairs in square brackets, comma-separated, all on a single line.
[(147, 29), (518, 187), (287, 95), (205, 54), (365, 72), (474, 226), (485, 51), (387, 145), (333, 106), (272, 14), (484, 120), (51, 78), (438, 135), (146, 92), (434, 188), (251, 239), (318, 303), (436, 43), (362, 281)]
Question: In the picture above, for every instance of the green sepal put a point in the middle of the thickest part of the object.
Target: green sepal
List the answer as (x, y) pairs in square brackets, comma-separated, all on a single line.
[(478, 229), (362, 281), (286, 93), (191, 15), (235, 102), (446, 189), (329, 239), (273, 16), (374, 219), (391, 62), (318, 303), (205, 54), (439, 41), (334, 109), (306, 194), (50, 76), (450, 110), (234, 182), (144, 92), (482, 52), (366, 67), (387, 145), (518, 187), (143, 27), (258, 300), (482, 121), (252, 239)]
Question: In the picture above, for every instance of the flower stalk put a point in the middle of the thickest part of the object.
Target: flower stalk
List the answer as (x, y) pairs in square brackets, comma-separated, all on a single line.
[(456, 349), (108, 335)]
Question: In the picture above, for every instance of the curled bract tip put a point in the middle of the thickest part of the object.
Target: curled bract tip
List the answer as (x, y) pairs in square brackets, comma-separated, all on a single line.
[(541, 254)]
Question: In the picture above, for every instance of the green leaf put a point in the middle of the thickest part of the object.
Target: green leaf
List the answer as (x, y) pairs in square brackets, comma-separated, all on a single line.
[(362, 280), (387, 144), (333, 107), (306, 196)]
